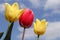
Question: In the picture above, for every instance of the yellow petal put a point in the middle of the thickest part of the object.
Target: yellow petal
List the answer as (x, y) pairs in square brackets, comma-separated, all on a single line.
[(43, 26), (35, 26), (15, 6), (7, 5), (43, 22), (38, 22), (7, 8), (19, 13)]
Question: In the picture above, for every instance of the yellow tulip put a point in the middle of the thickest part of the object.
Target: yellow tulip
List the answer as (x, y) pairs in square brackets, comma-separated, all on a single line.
[(40, 26), (12, 13)]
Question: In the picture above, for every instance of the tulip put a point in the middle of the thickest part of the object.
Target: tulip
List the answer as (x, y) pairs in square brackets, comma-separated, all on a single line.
[(12, 13), (40, 27), (26, 20)]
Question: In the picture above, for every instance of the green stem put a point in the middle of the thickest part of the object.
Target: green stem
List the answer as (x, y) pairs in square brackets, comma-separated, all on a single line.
[(9, 31), (23, 34), (1, 34), (38, 37)]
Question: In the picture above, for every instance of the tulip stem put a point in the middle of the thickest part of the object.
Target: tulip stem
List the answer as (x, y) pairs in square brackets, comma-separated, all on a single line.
[(23, 34), (9, 31), (38, 37), (1, 34)]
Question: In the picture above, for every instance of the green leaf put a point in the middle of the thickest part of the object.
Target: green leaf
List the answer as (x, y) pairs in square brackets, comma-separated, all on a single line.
[(1, 34), (9, 31)]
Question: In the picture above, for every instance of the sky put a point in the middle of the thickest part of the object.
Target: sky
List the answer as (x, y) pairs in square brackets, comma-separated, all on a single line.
[(43, 9)]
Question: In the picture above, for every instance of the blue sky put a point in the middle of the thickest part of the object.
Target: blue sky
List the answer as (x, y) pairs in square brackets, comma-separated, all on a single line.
[(43, 9)]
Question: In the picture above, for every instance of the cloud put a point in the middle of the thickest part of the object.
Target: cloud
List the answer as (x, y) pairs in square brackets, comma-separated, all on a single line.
[(52, 4), (51, 8), (35, 3), (22, 5), (52, 32), (51, 14), (2, 7)]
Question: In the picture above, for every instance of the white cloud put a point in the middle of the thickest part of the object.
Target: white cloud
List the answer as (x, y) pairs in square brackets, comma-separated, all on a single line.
[(51, 14), (52, 4), (22, 5), (52, 32), (35, 3), (2, 7)]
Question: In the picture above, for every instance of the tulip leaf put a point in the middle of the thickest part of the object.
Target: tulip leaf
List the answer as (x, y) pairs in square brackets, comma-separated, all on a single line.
[(9, 31), (1, 34)]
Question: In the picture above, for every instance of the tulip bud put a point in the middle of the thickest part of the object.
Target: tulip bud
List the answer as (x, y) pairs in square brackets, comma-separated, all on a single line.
[(26, 18)]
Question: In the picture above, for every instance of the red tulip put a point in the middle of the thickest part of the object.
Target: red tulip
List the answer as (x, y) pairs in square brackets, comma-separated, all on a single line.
[(26, 19)]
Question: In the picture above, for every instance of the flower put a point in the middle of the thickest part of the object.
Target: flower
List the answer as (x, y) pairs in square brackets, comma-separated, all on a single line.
[(40, 26), (26, 18), (12, 13)]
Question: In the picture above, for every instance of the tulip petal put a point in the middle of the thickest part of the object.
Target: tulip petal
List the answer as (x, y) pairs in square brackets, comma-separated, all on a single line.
[(43, 22), (7, 9), (34, 25), (43, 26), (46, 23), (35, 29), (7, 5), (38, 22), (15, 6), (19, 14), (21, 11)]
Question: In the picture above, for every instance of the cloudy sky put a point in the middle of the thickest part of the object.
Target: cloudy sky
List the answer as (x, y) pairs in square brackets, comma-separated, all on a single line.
[(43, 9)]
